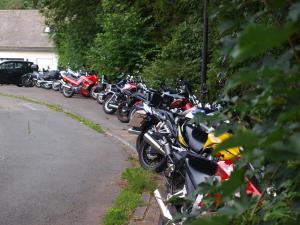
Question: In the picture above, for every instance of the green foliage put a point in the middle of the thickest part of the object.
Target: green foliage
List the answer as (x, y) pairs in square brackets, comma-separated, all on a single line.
[(263, 101), (138, 181), (122, 45), (73, 28), (256, 39), (180, 57), (115, 216), (16, 4)]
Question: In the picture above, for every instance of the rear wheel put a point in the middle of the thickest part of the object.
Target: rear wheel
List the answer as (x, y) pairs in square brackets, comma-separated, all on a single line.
[(150, 159), (67, 92), (106, 105), (139, 141), (123, 112)]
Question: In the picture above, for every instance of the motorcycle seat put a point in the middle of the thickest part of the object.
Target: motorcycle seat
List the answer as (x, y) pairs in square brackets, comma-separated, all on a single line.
[(196, 137), (175, 96), (126, 92), (139, 96)]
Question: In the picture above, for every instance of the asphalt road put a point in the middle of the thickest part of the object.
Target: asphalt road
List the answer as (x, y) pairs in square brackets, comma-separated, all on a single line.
[(78, 104), (54, 170)]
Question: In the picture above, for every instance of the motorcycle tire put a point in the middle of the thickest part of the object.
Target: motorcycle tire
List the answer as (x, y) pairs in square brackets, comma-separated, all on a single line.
[(106, 108), (55, 87), (100, 100), (47, 86), (60, 88), (67, 92), (150, 159), (27, 82), (139, 141), (140, 137), (93, 94), (123, 112)]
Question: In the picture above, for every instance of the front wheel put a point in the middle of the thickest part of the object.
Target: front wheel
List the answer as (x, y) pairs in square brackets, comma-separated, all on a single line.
[(123, 112), (150, 159), (46, 85), (106, 105), (55, 86), (26, 81), (94, 94), (100, 99), (60, 88), (67, 92)]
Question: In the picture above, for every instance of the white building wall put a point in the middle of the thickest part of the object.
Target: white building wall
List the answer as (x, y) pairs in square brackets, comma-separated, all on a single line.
[(43, 59)]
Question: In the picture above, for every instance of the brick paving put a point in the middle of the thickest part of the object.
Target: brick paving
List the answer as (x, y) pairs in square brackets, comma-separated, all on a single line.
[(146, 215)]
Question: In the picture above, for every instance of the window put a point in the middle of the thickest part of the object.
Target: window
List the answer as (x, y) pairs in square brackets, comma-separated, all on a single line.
[(19, 65), (7, 66)]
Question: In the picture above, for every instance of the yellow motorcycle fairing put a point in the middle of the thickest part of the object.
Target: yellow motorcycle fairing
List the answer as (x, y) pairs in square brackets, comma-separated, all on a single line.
[(213, 141), (181, 139)]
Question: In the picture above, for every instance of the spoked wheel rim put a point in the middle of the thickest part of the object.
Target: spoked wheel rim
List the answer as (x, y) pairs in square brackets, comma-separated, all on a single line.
[(94, 95), (67, 91), (107, 106), (107, 102), (124, 112), (150, 157), (27, 82)]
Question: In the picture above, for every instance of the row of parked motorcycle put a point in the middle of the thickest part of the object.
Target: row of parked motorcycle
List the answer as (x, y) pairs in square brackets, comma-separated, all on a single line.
[(169, 140)]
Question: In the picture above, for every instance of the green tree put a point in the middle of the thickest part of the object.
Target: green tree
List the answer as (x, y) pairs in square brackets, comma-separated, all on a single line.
[(16, 4), (122, 46), (73, 28), (262, 93)]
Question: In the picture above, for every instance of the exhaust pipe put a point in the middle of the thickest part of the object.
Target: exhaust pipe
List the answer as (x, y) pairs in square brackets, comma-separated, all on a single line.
[(163, 208), (134, 131), (113, 106), (153, 143)]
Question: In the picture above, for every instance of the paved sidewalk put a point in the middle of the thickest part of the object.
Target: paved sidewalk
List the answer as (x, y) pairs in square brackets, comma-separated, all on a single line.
[(147, 214)]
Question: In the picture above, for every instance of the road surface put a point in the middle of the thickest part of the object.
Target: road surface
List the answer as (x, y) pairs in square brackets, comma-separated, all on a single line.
[(78, 104), (54, 170)]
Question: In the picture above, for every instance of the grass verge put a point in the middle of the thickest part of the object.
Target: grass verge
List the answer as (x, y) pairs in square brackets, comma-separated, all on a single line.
[(138, 181), (86, 122), (58, 108)]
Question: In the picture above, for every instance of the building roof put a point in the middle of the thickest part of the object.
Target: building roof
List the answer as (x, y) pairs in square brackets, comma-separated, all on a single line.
[(23, 30)]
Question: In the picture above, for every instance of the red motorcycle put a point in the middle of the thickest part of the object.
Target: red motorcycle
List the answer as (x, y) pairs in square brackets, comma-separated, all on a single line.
[(81, 84)]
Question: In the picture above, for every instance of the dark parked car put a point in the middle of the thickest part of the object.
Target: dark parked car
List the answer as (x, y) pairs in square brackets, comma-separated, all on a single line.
[(12, 71)]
